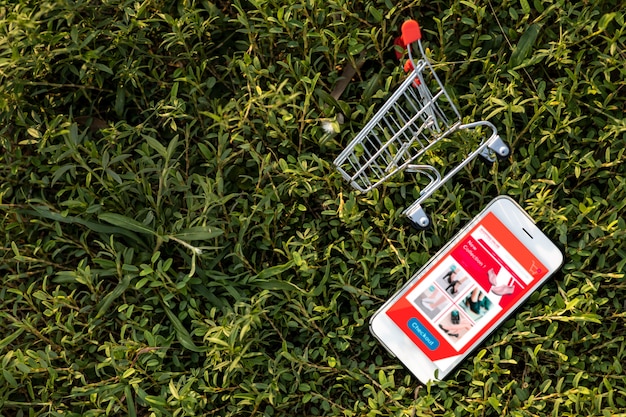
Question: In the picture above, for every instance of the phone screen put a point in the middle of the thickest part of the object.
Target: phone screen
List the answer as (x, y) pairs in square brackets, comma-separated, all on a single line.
[(459, 299)]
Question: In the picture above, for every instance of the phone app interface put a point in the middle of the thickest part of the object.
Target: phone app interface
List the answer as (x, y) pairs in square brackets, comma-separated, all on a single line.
[(472, 286)]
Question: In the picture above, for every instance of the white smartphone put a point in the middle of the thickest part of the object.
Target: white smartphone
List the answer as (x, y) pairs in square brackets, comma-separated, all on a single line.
[(466, 290)]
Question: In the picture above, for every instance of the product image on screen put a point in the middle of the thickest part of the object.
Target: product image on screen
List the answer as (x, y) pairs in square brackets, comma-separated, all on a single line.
[(466, 291)]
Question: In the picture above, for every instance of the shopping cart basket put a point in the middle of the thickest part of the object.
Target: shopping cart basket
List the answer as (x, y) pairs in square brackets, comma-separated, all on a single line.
[(410, 124)]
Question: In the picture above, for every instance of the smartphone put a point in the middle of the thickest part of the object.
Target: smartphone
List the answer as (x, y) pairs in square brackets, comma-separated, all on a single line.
[(466, 290)]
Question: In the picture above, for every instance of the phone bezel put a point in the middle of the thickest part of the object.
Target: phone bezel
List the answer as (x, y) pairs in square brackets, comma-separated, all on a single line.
[(398, 344)]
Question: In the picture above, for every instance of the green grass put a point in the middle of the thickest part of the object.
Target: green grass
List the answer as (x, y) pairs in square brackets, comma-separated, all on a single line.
[(177, 242)]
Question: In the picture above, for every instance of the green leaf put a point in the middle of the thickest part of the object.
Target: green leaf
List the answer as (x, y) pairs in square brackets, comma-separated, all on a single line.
[(59, 172), (577, 378), (605, 20), (11, 337), (126, 223), (47, 213), (376, 14), (182, 334), (130, 401), (274, 285), (493, 401), (73, 135), (524, 46), (9, 379), (525, 6), (199, 233), (275, 270), (108, 299), (155, 401), (34, 133), (171, 148), (156, 145), (120, 101)]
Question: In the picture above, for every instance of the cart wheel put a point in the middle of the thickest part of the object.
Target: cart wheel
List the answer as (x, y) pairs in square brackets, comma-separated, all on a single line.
[(417, 216), (422, 223), (491, 155), (498, 149), (503, 151)]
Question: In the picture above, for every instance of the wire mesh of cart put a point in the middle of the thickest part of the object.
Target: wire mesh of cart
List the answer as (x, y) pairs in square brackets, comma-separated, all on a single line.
[(417, 117)]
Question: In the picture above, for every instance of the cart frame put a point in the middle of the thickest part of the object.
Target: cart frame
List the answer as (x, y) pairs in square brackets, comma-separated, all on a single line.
[(411, 122)]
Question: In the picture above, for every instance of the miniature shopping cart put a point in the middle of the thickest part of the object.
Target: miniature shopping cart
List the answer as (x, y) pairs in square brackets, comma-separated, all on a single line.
[(411, 124)]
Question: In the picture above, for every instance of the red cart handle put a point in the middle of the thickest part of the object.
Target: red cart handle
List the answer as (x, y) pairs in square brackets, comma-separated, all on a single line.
[(411, 32)]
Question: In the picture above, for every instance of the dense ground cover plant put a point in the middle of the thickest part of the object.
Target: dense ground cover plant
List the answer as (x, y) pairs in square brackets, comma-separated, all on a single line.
[(176, 241)]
